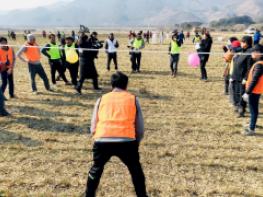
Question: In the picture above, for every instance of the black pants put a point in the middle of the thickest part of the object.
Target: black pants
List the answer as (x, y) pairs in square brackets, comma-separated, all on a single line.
[(88, 70), (203, 69), (253, 107), (234, 93), (82, 79), (35, 69), (56, 65), (112, 56), (136, 61), (8, 79), (2, 103), (128, 154), (242, 103), (174, 63), (227, 84), (73, 71)]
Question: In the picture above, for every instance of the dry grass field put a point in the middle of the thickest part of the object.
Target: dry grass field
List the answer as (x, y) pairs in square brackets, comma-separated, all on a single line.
[(193, 144)]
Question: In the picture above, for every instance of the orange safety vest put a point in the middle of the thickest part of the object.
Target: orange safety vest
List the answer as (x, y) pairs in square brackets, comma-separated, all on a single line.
[(116, 116), (4, 55), (258, 89), (32, 53)]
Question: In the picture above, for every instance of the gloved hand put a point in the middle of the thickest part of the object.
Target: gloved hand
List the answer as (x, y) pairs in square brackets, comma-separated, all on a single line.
[(245, 97), (244, 82)]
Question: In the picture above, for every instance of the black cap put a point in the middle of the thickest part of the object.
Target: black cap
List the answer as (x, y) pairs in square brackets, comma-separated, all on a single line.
[(248, 40), (257, 48), (70, 38)]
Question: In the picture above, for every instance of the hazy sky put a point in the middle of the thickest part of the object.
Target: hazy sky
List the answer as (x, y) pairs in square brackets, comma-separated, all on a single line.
[(7, 5)]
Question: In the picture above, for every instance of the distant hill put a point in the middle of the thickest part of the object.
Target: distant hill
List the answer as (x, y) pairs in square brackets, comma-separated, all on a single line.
[(132, 12)]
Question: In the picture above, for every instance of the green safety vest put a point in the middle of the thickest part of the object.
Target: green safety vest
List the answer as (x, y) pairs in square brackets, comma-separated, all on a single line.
[(54, 52), (71, 54), (137, 44), (197, 39), (175, 49)]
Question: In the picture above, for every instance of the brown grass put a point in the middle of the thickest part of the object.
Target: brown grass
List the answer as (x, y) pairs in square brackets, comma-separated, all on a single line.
[(192, 146)]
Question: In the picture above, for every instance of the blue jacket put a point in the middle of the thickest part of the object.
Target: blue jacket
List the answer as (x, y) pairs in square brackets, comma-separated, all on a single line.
[(257, 36)]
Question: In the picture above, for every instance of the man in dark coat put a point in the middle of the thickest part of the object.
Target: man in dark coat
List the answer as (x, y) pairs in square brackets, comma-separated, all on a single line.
[(88, 53), (239, 73), (205, 47)]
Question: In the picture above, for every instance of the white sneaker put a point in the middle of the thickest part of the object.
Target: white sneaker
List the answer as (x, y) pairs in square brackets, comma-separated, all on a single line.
[(249, 132), (35, 93)]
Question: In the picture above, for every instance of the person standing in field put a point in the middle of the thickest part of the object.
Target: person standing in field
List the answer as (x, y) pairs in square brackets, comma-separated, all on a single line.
[(197, 40), (257, 37), (32, 57), (174, 51), (111, 46), (254, 88), (117, 128), (181, 37), (87, 58), (71, 54), (130, 42), (73, 34), (188, 35), (3, 111), (7, 56), (205, 48), (229, 51), (53, 52), (238, 75), (44, 34), (58, 35), (137, 45)]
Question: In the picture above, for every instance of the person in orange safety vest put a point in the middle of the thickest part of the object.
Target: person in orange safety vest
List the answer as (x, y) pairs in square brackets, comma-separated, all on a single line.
[(7, 56), (32, 57), (117, 127), (254, 88)]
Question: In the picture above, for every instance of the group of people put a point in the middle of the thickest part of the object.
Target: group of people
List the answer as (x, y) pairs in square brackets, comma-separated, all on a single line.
[(72, 55), (203, 45), (244, 77), (75, 55), (117, 123)]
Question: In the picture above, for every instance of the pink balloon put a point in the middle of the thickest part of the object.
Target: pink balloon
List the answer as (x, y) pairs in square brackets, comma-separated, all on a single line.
[(194, 60)]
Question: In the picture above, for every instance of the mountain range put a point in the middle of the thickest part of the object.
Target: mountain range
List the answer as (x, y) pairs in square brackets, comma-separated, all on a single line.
[(131, 12)]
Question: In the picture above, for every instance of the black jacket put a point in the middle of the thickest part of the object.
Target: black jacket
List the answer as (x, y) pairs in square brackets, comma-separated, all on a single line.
[(205, 46), (89, 43), (257, 73), (87, 65), (242, 65)]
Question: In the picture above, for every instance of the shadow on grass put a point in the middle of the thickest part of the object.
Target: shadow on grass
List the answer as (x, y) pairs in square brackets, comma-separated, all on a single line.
[(27, 110), (144, 93), (48, 125), (57, 102), (7, 137), (73, 95), (155, 72)]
